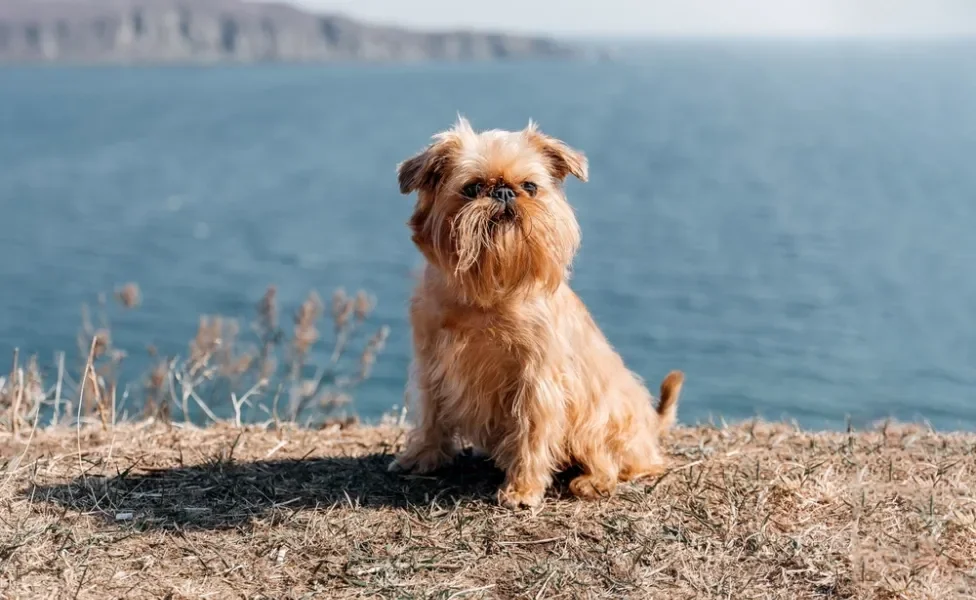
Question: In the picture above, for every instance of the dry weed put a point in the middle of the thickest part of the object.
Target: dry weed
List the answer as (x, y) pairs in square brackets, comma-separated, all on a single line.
[(220, 363)]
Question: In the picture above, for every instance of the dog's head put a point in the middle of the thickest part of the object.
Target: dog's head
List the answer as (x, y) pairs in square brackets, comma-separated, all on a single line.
[(491, 214)]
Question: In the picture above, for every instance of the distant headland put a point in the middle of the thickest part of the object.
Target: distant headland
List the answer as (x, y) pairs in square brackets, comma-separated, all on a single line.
[(217, 31)]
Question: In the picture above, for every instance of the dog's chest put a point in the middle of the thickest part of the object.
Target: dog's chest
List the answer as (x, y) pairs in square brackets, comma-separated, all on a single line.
[(476, 357), (477, 375), (477, 366)]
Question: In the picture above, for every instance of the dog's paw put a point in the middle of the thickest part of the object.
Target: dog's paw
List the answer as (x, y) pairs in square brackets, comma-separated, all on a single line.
[(512, 497), (643, 470), (588, 487), (420, 463)]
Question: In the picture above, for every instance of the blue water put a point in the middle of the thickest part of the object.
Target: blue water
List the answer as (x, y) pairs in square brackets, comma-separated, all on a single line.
[(790, 224)]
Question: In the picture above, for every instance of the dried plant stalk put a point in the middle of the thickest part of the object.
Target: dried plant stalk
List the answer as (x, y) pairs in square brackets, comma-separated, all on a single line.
[(220, 363)]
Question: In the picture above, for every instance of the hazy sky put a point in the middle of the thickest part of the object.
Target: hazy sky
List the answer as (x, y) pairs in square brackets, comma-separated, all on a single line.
[(682, 17)]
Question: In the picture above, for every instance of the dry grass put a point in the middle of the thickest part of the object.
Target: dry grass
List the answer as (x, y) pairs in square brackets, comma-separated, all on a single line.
[(751, 511), (222, 362)]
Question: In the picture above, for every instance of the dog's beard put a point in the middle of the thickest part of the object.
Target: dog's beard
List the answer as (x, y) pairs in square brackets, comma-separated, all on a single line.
[(482, 229), (499, 252)]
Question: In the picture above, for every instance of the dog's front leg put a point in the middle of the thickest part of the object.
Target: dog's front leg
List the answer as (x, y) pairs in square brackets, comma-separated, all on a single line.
[(529, 453), (431, 444)]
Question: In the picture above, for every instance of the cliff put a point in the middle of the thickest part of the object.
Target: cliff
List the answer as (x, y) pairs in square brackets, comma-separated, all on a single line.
[(188, 31)]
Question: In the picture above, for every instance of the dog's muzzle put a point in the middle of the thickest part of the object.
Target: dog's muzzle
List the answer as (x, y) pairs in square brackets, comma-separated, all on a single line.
[(504, 194)]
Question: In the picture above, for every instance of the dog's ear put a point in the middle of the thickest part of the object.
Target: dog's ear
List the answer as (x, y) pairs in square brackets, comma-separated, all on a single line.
[(424, 170), (421, 171), (563, 160)]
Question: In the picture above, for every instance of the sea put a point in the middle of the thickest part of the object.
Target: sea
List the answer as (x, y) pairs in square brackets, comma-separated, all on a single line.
[(792, 224)]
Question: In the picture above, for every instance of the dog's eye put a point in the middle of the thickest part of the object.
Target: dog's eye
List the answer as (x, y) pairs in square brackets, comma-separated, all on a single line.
[(472, 190), (530, 188)]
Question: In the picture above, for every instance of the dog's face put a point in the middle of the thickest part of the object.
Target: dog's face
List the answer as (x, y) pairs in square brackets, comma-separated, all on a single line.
[(491, 214)]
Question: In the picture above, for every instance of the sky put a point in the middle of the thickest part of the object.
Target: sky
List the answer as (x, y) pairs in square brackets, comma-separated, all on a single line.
[(792, 18)]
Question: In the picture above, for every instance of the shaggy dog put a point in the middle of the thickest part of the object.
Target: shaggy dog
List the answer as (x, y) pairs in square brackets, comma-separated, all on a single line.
[(507, 357)]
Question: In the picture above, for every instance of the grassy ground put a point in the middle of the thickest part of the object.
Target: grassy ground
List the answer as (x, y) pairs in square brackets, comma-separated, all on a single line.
[(751, 511)]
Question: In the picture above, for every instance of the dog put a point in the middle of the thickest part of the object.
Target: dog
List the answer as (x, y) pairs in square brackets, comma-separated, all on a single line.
[(506, 356)]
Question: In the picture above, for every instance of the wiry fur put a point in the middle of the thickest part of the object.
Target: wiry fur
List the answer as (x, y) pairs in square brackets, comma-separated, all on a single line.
[(506, 355)]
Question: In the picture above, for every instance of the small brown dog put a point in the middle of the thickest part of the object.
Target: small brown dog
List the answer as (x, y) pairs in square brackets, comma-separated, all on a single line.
[(506, 355)]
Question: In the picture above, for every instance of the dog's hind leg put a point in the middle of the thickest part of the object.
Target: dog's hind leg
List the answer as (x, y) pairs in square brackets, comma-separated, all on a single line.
[(644, 460), (600, 474), (643, 456)]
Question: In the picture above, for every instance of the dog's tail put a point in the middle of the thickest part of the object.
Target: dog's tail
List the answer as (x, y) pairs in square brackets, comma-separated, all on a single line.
[(667, 406)]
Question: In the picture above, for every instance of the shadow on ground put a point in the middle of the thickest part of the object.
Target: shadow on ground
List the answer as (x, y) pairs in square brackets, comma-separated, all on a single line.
[(221, 494)]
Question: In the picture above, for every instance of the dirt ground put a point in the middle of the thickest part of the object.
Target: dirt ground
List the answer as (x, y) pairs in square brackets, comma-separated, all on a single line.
[(748, 511)]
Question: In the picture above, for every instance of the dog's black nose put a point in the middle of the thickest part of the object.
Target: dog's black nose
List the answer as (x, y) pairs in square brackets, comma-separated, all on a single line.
[(503, 193)]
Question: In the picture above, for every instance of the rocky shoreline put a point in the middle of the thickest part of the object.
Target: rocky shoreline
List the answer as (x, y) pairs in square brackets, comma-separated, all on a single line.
[(218, 31)]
